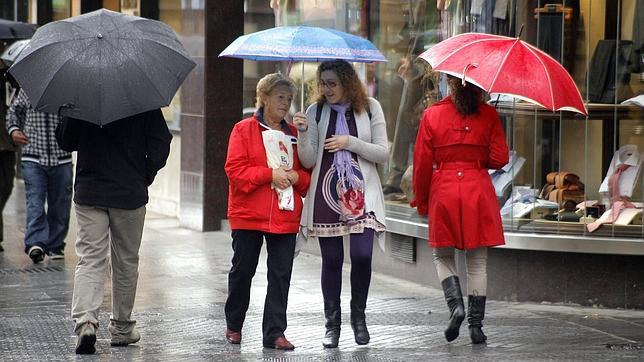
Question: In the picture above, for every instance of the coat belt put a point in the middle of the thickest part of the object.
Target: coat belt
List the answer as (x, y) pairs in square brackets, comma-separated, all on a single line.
[(461, 165)]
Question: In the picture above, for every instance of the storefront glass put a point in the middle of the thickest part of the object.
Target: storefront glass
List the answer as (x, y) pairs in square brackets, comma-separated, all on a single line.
[(169, 13), (61, 9), (598, 41)]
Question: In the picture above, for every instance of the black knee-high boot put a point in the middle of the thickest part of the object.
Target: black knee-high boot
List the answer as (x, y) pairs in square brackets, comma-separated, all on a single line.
[(454, 298), (333, 316), (358, 320), (475, 315)]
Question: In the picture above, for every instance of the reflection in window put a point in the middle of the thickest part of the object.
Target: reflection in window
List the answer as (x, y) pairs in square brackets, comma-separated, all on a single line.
[(60, 9), (131, 7), (170, 13)]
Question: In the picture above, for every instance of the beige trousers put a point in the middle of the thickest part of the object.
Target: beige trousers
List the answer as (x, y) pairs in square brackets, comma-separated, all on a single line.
[(102, 230), (476, 264)]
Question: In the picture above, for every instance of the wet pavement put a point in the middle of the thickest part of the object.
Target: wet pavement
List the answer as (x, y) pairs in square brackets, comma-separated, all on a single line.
[(182, 290)]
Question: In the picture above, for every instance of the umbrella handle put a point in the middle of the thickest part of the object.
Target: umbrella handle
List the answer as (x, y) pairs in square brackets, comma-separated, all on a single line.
[(475, 65), (65, 106)]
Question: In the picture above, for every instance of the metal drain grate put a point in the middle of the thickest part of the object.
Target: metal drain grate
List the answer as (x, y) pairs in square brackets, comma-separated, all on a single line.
[(625, 346), (32, 270), (403, 247)]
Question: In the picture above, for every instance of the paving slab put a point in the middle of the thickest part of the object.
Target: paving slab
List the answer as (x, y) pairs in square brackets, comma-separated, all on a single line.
[(182, 289)]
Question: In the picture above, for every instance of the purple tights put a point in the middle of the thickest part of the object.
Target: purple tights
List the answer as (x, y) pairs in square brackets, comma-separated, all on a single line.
[(360, 250)]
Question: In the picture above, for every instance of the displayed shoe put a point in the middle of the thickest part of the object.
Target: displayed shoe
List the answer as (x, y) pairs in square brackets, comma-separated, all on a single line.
[(37, 254), (281, 343), (86, 339), (122, 340), (55, 255), (454, 298), (233, 337)]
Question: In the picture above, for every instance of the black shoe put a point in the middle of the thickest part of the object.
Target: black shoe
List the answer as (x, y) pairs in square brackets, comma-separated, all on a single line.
[(391, 190), (475, 316), (36, 254), (54, 255), (86, 339), (1, 248), (333, 316), (454, 298)]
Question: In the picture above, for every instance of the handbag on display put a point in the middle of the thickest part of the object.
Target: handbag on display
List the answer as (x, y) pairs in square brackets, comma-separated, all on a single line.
[(561, 187)]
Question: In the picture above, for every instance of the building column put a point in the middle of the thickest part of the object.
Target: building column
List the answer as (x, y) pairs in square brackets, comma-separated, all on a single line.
[(217, 84)]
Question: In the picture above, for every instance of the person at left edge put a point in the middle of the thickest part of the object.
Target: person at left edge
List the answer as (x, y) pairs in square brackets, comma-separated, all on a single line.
[(116, 164), (47, 172), (254, 214)]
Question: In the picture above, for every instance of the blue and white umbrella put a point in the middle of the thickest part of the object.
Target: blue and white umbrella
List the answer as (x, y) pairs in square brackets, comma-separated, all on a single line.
[(303, 43)]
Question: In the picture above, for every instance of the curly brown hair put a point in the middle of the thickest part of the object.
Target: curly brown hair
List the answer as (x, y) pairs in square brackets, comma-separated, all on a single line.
[(354, 90), (466, 98)]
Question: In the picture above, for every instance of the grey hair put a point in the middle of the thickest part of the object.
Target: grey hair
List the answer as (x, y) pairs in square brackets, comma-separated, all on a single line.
[(269, 82)]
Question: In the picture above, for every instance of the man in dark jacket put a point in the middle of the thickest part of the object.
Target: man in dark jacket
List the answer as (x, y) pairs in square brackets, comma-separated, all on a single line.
[(116, 164)]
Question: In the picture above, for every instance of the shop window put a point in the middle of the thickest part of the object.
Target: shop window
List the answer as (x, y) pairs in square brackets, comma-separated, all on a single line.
[(131, 7), (599, 42), (61, 9), (606, 70)]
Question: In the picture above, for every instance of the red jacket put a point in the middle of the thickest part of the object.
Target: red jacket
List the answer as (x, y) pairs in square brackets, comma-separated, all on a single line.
[(451, 182), (252, 204)]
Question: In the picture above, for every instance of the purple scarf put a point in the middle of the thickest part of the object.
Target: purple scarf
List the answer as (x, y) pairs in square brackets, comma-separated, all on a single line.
[(342, 159)]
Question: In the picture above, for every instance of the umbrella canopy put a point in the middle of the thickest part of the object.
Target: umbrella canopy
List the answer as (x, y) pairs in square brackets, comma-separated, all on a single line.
[(305, 43), (11, 53), (10, 30), (500, 64), (102, 66)]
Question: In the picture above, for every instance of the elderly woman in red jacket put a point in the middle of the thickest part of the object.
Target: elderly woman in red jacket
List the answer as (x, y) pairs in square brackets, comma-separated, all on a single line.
[(459, 138), (254, 213)]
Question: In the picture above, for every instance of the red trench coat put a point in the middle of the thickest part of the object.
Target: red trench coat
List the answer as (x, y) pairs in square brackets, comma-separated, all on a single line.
[(451, 181)]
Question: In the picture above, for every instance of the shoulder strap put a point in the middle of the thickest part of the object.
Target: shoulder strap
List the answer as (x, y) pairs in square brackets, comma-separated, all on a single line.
[(318, 112)]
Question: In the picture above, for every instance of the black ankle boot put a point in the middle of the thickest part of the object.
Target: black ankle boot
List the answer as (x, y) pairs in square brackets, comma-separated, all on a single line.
[(333, 316), (475, 315), (454, 298), (358, 322)]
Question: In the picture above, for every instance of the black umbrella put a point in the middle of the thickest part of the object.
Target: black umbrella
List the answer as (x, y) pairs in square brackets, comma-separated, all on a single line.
[(102, 66), (10, 30), (12, 52)]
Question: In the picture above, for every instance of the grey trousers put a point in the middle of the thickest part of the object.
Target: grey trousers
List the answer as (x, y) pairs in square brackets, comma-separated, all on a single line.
[(476, 264), (102, 230)]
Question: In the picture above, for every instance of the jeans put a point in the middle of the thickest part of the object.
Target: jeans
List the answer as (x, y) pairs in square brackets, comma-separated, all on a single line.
[(53, 185)]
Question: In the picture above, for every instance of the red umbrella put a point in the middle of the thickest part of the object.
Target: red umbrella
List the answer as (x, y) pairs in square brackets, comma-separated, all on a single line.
[(500, 64)]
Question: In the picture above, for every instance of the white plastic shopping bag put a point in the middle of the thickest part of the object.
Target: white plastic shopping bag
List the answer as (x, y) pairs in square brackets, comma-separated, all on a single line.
[(279, 152)]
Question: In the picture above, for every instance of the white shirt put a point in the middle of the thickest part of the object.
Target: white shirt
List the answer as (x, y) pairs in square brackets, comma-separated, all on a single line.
[(630, 155)]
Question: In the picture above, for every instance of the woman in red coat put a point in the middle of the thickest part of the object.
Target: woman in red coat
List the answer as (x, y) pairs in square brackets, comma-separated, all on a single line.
[(254, 212), (459, 138)]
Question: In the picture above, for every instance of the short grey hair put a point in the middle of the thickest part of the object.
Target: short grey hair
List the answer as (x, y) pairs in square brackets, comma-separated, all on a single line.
[(269, 82)]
